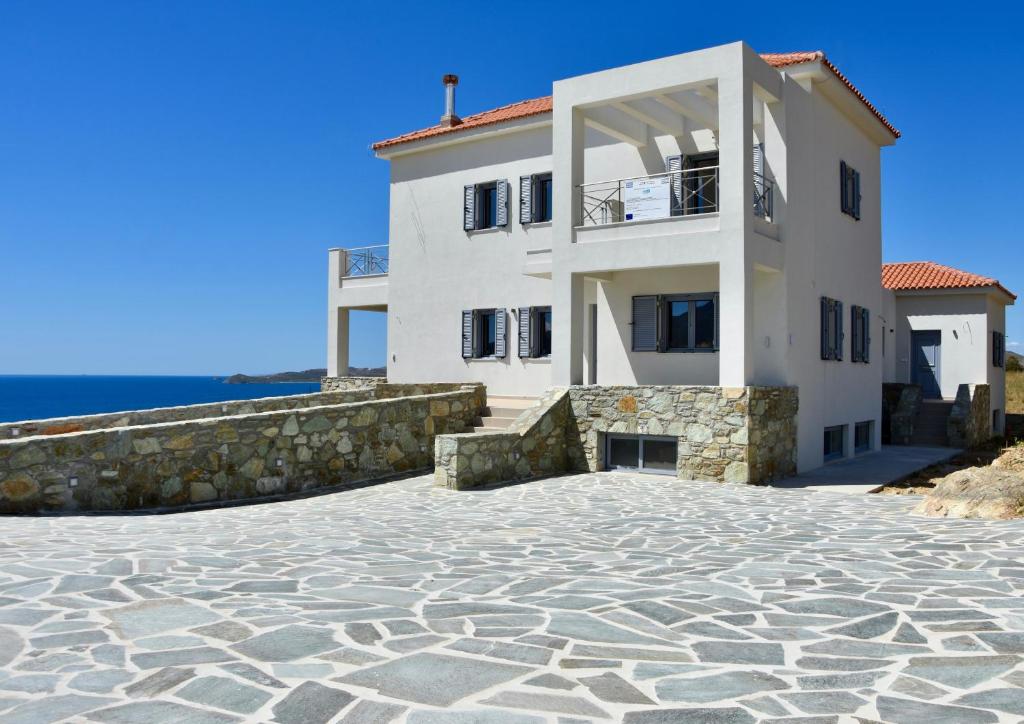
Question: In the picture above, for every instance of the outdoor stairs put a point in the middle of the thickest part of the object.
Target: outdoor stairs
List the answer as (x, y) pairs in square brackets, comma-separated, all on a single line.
[(500, 412), (930, 424)]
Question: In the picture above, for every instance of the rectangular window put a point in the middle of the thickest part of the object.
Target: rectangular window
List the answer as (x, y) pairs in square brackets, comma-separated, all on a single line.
[(542, 323), (483, 333), (834, 442), (862, 436), (675, 323), (860, 329), (534, 332), (831, 329), (486, 333), (542, 197), (998, 349), (849, 190), (646, 454), (487, 206)]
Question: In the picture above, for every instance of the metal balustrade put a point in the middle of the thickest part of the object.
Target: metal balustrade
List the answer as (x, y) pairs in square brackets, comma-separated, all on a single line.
[(365, 261), (764, 191)]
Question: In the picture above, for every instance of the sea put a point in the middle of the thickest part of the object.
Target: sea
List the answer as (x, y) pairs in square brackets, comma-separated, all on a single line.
[(33, 397)]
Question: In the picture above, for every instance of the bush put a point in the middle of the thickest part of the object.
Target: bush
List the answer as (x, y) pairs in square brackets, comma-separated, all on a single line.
[(1013, 364)]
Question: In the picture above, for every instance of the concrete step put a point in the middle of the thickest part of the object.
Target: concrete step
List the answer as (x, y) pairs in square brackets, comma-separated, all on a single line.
[(930, 440), (496, 423), (512, 412), (510, 402)]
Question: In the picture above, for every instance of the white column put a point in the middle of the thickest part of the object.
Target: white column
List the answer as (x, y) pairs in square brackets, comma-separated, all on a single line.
[(567, 320), (736, 163), (337, 342)]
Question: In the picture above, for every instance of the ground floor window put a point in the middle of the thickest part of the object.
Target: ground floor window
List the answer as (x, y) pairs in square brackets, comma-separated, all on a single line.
[(675, 323), (643, 453), (834, 441), (862, 436)]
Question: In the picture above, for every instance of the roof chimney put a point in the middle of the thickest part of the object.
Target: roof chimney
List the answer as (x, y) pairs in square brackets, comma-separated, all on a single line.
[(449, 118)]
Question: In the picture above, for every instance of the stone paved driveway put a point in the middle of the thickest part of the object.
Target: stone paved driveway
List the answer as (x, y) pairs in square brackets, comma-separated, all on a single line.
[(589, 597)]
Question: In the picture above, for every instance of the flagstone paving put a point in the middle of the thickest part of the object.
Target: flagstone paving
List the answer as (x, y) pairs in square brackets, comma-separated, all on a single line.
[(579, 598)]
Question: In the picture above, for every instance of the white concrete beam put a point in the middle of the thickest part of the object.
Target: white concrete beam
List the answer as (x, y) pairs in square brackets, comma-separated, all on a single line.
[(691, 106), (616, 124), (654, 115)]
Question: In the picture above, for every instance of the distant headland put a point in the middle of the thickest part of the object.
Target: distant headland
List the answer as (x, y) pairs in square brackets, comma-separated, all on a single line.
[(304, 376)]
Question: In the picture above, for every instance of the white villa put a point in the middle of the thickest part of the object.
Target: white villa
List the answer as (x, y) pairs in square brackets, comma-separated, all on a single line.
[(707, 219)]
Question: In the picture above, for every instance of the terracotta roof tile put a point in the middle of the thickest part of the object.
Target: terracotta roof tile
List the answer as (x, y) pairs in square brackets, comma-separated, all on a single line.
[(918, 275), (538, 106)]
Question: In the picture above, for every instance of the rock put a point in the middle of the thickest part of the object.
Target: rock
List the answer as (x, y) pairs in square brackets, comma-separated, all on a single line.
[(202, 492), (19, 487), (982, 492), (1012, 460)]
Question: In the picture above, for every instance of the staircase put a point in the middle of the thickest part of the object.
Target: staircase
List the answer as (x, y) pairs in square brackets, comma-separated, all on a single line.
[(930, 424), (500, 412)]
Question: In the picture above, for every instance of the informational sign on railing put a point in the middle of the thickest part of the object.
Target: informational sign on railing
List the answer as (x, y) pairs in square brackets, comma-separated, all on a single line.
[(648, 198)]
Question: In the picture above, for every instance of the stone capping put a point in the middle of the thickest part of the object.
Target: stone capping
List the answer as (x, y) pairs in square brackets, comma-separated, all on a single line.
[(179, 413), (901, 405), (239, 457), (970, 422), (533, 445), (742, 434), (333, 384)]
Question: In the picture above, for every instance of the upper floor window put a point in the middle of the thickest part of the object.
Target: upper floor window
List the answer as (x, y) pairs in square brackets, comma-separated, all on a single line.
[(998, 349), (534, 332), (831, 329), (860, 325), (849, 190), (483, 333), (675, 323), (535, 198), (485, 205)]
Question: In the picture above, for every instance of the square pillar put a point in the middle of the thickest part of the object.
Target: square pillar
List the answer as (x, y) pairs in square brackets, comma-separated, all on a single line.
[(337, 342), (567, 320)]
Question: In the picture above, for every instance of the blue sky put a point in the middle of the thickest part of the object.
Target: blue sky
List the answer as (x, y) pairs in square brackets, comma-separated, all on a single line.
[(172, 173)]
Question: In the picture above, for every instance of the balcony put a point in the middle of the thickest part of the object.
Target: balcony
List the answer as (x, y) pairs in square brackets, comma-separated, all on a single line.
[(688, 192), (365, 261)]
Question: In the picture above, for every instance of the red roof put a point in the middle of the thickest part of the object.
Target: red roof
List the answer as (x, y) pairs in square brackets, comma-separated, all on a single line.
[(917, 275), (537, 106)]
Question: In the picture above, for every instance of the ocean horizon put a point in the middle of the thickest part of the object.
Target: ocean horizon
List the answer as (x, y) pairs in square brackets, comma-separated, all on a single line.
[(36, 397)]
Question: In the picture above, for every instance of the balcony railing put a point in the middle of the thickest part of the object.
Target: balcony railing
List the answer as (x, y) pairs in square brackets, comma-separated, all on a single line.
[(689, 192), (366, 261)]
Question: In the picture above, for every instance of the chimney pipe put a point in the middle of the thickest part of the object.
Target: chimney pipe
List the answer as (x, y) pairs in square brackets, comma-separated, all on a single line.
[(449, 118)]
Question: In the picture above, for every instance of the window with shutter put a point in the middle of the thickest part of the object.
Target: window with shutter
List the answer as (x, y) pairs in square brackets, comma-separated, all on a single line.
[(998, 349), (467, 333), (525, 200), (501, 199), (760, 209), (674, 166), (525, 323), (849, 190), (826, 328), (843, 195), (645, 323), (840, 336), (500, 316), (469, 208), (854, 333), (865, 353)]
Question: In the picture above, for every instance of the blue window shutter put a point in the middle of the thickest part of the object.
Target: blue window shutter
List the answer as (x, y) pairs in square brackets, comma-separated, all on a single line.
[(759, 200), (525, 323), (856, 195), (525, 199), (865, 355), (467, 333), (826, 327), (645, 324), (854, 333), (674, 164), (843, 194), (469, 208), (502, 194), (839, 330), (500, 316)]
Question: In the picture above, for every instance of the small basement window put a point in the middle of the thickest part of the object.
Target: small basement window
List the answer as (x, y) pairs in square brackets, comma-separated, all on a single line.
[(835, 437), (862, 436), (642, 453)]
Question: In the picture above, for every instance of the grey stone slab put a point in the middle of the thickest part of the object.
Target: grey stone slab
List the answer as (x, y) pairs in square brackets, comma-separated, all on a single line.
[(712, 630), (824, 702), (225, 631), (1006, 642), (11, 645), (739, 652), (916, 688), (867, 628), (224, 693), (99, 682), (159, 682), (363, 633), (718, 687), (1010, 700), (273, 586), (537, 701), (630, 652), (963, 672), (311, 703), (146, 618), (53, 708), (724, 715), (180, 657), (613, 688), (30, 683), (863, 680), (551, 681), (76, 583), (518, 653), (287, 643), (60, 641), (148, 712), (589, 628), (842, 607), (487, 716), (373, 712), (463, 609), (414, 643), (434, 679), (251, 673), (907, 711)]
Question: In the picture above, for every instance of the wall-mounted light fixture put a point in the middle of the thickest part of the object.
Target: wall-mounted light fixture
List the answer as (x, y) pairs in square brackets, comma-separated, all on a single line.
[(15, 431), (280, 463), (73, 482)]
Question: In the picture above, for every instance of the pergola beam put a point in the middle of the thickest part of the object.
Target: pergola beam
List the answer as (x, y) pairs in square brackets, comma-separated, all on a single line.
[(691, 106), (654, 115), (616, 124)]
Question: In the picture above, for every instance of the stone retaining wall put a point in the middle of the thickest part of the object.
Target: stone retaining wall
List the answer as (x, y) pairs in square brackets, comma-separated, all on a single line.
[(730, 434), (970, 421), (533, 445), (901, 402), (104, 421), (334, 384), (230, 458)]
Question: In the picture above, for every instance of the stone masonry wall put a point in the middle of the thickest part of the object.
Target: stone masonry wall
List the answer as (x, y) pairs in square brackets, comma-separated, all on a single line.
[(230, 458), (730, 434), (970, 422), (334, 384), (81, 423), (900, 404), (533, 445)]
